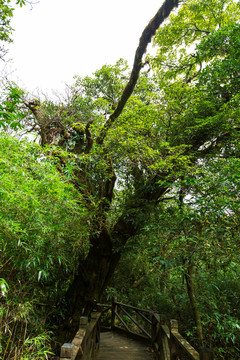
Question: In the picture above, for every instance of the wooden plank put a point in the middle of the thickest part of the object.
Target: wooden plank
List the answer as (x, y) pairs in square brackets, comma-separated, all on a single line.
[(113, 312), (78, 339), (132, 335), (77, 351), (70, 351), (192, 353), (165, 348), (156, 317), (104, 305), (114, 346), (166, 330)]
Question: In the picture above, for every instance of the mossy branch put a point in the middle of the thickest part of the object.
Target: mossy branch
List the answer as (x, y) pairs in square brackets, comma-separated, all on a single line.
[(145, 39)]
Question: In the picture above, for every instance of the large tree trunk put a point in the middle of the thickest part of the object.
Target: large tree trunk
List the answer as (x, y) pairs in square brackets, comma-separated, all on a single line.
[(92, 276), (95, 272)]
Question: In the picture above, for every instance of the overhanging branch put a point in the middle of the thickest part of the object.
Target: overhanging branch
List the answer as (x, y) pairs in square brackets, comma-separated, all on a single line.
[(145, 39)]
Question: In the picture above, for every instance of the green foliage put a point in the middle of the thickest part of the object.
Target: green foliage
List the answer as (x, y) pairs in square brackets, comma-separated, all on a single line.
[(41, 216), (102, 90), (43, 229), (221, 50), (22, 332), (6, 14), (4, 287), (198, 222), (10, 114), (188, 130), (21, 2), (174, 153), (192, 23)]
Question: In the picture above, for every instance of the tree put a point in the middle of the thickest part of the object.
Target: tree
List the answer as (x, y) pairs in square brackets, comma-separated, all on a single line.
[(130, 155), (10, 112), (6, 14), (95, 177), (196, 61), (144, 152)]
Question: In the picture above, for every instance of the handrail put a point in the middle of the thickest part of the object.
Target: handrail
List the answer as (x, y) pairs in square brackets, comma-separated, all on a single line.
[(86, 341), (132, 307), (166, 341), (127, 315), (135, 322), (169, 344)]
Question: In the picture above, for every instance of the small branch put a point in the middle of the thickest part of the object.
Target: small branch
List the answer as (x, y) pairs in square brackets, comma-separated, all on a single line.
[(31, 3), (187, 81), (197, 29)]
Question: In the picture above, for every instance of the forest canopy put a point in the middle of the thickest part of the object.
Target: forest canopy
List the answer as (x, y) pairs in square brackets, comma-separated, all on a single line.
[(133, 189)]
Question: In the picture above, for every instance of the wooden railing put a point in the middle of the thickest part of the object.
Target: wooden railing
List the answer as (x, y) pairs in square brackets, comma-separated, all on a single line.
[(135, 321), (167, 342), (86, 341)]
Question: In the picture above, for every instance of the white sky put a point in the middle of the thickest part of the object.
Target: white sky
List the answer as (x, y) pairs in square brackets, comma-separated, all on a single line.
[(58, 39)]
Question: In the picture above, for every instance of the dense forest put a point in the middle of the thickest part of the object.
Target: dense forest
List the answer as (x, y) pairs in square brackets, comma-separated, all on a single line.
[(127, 186)]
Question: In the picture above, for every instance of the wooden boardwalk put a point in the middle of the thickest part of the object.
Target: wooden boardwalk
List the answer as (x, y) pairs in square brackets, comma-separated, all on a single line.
[(168, 342), (114, 346)]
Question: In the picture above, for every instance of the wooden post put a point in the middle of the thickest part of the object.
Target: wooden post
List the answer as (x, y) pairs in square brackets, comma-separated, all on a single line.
[(83, 321), (67, 351), (93, 315), (154, 327), (174, 349), (163, 340), (174, 325), (94, 339), (114, 309), (162, 319), (206, 354)]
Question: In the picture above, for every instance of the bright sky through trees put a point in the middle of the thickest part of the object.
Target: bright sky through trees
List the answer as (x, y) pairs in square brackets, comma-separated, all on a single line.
[(58, 39)]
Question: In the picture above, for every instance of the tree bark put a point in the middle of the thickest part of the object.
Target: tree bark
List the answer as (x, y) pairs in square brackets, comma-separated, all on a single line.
[(144, 40), (94, 274), (193, 301)]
